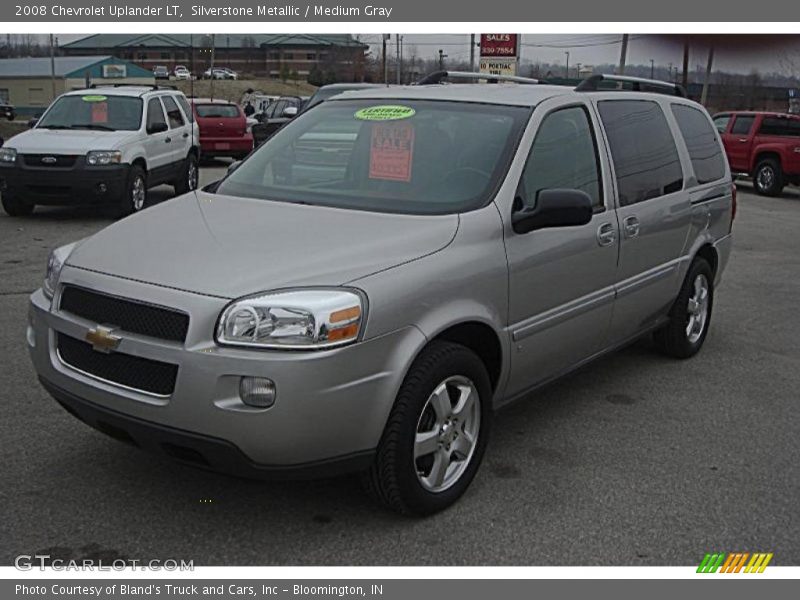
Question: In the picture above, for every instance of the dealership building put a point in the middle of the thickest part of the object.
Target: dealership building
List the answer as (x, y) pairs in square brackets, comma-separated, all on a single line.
[(30, 84), (258, 55)]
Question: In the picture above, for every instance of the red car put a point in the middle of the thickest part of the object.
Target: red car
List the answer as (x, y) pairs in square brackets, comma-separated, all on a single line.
[(763, 145), (223, 128)]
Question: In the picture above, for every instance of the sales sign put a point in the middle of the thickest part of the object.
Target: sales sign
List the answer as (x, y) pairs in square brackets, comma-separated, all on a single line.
[(504, 45)]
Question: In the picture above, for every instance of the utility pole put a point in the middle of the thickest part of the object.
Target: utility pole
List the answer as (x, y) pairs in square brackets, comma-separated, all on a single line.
[(669, 76), (566, 70), (399, 55), (707, 82), (442, 56), (623, 54), (386, 36), (53, 66), (685, 76), (652, 69), (211, 68), (472, 53)]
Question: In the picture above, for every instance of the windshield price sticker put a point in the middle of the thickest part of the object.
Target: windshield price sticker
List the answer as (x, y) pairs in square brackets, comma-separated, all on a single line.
[(94, 98), (385, 113), (391, 151), (100, 112)]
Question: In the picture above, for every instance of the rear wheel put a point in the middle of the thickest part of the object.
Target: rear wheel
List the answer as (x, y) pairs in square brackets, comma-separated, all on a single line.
[(15, 206), (436, 433), (768, 178), (187, 182), (690, 316)]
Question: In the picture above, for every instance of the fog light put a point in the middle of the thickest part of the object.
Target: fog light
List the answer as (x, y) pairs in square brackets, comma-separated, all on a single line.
[(102, 188), (258, 392)]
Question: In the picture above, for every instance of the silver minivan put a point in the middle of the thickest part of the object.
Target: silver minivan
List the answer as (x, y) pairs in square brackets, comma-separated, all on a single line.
[(367, 288)]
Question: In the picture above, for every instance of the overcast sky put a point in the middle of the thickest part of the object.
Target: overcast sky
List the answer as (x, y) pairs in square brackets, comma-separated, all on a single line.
[(735, 53)]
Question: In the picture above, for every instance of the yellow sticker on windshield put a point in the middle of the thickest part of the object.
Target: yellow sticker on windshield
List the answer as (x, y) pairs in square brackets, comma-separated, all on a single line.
[(94, 98), (386, 112)]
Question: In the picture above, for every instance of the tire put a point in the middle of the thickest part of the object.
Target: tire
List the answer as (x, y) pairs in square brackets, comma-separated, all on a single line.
[(131, 200), (16, 207), (189, 176), (768, 177), (407, 484), (690, 315)]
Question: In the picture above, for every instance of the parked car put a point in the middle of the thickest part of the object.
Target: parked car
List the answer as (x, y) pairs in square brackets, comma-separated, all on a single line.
[(368, 309), (223, 128), (104, 146), (277, 114), (764, 146), (7, 111), (182, 74), (161, 72), (219, 73)]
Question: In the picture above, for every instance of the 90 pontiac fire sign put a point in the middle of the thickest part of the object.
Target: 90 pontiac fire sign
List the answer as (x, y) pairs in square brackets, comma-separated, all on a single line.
[(499, 53)]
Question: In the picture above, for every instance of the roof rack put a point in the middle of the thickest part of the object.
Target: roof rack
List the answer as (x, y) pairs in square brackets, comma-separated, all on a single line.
[(152, 86), (438, 76), (638, 84)]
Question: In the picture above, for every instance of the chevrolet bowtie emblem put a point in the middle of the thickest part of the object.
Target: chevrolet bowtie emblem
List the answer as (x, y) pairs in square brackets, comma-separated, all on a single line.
[(49, 160), (102, 339)]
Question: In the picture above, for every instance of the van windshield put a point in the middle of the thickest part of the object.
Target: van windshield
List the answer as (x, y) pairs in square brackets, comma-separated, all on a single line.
[(93, 110), (417, 157)]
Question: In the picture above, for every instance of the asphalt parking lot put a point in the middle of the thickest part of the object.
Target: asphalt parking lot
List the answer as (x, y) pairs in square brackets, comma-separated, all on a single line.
[(634, 460)]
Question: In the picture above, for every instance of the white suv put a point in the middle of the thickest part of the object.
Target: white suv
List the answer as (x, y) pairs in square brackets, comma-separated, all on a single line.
[(103, 145)]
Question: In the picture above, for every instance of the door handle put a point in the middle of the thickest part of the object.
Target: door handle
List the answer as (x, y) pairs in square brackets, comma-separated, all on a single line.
[(743, 140), (631, 226), (167, 140), (606, 234), (185, 135)]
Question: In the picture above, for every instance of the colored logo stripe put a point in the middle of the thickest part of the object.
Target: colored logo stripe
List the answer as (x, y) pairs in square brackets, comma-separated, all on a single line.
[(733, 562)]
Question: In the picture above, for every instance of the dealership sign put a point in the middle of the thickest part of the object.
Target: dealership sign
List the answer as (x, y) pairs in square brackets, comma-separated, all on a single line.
[(499, 53), (500, 44)]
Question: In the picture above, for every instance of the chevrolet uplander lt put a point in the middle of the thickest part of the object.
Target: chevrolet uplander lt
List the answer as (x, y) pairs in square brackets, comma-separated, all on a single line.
[(366, 288)]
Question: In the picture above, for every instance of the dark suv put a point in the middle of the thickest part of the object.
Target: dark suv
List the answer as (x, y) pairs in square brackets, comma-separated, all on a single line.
[(763, 145), (277, 114)]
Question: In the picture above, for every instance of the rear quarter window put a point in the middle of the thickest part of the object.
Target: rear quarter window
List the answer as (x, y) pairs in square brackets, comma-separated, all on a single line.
[(701, 142), (780, 126), (646, 162)]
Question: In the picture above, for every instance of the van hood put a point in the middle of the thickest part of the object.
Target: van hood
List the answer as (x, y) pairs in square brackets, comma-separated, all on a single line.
[(67, 141), (230, 247)]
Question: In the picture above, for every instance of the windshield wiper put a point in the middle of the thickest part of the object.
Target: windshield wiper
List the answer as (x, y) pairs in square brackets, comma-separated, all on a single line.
[(92, 126), (54, 126)]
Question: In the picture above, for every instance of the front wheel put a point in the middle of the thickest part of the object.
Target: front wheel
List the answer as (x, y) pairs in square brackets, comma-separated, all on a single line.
[(15, 206), (436, 434), (768, 178), (135, 195), (690, 316), (187, 181)]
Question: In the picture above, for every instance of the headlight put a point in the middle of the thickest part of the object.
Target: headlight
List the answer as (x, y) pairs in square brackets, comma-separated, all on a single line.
[(293, 319), (104, 157), (8, 156), (55, 263)]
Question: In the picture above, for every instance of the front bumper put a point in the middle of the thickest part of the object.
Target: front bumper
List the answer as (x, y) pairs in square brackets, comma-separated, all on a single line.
[(331, 405), (77, 183)]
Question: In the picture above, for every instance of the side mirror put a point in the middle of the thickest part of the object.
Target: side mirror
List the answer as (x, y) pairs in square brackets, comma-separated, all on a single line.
[(554, 208), (290, 112), (157, 128), (233, 166), (32, 122)]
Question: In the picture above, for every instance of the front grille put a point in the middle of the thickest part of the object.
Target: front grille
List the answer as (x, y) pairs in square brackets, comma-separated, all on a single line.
[(128, 315), (61, 160), (134, 372)]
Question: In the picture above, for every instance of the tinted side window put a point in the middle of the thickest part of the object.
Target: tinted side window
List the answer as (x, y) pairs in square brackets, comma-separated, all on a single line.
[(563, 155), (701, 142), (645, 158), (173, 112), (187, 109), (155, 114), (742, 125), (780, 126), (721, 123)]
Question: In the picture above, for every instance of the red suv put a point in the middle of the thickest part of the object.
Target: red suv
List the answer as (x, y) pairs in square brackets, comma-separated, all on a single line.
[(223, 128), (763, 145)]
